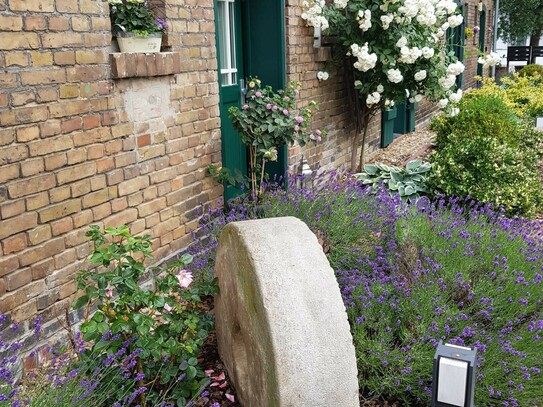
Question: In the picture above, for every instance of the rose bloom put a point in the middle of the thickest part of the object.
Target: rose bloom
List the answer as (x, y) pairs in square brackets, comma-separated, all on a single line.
[(184, 278)]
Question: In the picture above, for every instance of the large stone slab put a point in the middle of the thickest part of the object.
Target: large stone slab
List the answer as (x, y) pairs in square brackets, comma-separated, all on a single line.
[(281, 325)]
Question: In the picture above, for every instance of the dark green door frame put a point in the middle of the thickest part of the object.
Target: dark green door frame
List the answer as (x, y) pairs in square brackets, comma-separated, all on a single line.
[(260, 35), (482, 31)]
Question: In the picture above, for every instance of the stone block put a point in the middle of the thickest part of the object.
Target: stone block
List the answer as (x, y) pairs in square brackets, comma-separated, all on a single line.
[(281, 324)]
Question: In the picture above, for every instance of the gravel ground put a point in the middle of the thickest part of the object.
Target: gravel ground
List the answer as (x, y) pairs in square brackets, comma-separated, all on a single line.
[(406, 148)]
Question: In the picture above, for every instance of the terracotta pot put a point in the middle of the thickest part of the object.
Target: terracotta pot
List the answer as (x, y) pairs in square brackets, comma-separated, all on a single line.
[(129, 42)]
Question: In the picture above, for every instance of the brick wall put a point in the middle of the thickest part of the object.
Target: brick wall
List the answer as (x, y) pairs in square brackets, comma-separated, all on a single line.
[(78, 147), (89, 138)]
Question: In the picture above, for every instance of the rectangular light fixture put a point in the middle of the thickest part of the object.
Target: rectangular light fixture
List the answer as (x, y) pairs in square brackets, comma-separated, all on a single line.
[(453, 378)]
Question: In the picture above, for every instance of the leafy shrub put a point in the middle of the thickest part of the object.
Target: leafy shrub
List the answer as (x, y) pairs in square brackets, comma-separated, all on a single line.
[(486, 153), (408, 182), (64, 380), (531, 70), (166, 320)]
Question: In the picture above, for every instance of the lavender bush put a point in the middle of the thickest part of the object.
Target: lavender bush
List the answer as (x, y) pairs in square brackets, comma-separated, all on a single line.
[(450, 269)]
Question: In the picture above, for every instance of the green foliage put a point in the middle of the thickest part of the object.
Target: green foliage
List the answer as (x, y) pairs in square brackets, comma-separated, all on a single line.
[(531, 70), (520, 19), (269, 120), (165, 320), (226, 176), (408, 182), (133, 16), (486, 152)]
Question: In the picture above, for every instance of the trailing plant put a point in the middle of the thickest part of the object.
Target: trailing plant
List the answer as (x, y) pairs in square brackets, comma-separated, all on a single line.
[(164, 320), (134, 16), (268, 120), (408, 182)]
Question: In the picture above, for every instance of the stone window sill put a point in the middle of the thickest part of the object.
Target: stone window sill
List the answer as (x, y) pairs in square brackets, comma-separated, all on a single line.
[(137, 65)]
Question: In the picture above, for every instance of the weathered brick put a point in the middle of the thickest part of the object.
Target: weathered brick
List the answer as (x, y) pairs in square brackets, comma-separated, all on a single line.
[(71, 124), (39, 6), (42, 77), (55, 161), (62, 40), (67, 6), (13, 154), (31, 185), (133, 185), (37, 253), (80, 188), (91, 121), (30, 114), (62, 226), (37, 201), (76, 172), (92, 136), (65, 258), (59, 194), (47, 94), (64, 57), (42, 268), (99, 197), (11, 23), (101, 211), (32, 167), (18, 279), (69, 108), (9, 172), (82, 218), (7, 136), (122, 218), (12, 208), (18, 224), (35, 23), (29, 133), (59, 23), (86, 73), (25, 294), (148, 208), (76, 238), (69, 91), (14, 244), (19, 40), (22, 98), (8, 264), (98, 182), (81, 23), (17, 58), (41, 58)]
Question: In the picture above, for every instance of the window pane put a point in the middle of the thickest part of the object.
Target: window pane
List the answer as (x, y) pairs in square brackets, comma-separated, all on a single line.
[(232, 25)]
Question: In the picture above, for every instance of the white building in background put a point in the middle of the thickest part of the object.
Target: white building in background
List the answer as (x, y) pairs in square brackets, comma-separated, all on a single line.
[(501, 49)]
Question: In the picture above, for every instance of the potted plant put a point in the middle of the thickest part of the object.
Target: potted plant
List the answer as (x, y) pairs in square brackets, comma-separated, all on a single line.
[(268, 120), (135, 25)]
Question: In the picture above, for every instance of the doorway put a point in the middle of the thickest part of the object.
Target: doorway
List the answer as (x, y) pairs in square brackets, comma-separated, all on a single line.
[(250, 38)]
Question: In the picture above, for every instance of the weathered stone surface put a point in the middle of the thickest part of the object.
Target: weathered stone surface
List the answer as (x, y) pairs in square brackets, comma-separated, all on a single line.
[(281, 324)]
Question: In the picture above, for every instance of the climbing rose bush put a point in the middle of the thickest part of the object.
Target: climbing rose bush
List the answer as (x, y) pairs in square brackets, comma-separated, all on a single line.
[(396, 49)]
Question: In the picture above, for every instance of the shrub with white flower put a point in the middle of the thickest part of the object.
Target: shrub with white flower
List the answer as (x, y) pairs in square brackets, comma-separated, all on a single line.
[(393, 46)]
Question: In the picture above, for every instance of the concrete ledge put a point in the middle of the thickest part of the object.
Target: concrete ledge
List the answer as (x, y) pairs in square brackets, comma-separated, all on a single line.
[(281, 325), (133, 65)]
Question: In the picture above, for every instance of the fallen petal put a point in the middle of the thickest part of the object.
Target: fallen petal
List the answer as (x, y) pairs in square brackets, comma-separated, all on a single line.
[(230, 397)]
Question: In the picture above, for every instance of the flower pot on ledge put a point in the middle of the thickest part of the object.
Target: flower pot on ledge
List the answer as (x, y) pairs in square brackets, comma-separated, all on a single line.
[(129, 42)]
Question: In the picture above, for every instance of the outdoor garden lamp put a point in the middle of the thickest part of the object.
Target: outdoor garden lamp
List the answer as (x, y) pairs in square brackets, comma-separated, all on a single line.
[(453, 377), (305, 174)]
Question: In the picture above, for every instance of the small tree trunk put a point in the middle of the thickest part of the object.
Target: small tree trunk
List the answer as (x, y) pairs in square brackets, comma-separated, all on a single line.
[(535, 37)]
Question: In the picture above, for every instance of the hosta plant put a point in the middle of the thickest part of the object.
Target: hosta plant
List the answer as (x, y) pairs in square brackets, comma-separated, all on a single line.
[(408, 182)]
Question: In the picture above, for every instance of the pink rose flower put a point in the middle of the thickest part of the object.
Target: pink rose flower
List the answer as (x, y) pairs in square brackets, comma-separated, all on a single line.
[(245, 107), (269, 106), (109, 293), (299, 119), (319, 139), (296, 128), (184, 278), (167, 307), (318, 132), (285, 112), (312, 136), (258, 94)]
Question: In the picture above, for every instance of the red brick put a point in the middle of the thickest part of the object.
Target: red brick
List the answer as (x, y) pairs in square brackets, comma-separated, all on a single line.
[(72, 124), (18, 279), (8, 264), (91, 121), (14, 244)]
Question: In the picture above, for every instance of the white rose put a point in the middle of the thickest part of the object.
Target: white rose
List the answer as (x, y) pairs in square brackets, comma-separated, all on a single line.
[(402, 42), (455, 97), (443, 103), (420, 76), (394, 75)]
